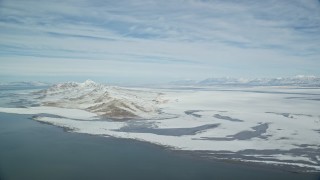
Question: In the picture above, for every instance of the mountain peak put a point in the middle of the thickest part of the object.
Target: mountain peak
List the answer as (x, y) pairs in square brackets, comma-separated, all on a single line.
[(89, 82)]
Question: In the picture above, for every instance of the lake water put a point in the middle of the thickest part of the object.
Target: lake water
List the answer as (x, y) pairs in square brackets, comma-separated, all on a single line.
[(31, 150)]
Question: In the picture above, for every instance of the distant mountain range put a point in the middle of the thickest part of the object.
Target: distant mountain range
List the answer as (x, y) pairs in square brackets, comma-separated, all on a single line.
[(300, 81), (303, 81)]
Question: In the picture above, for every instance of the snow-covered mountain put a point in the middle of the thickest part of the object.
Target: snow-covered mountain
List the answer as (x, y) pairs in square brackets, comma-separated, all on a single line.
[(222, 81), (293, 81), (303, 81), (108, 101)]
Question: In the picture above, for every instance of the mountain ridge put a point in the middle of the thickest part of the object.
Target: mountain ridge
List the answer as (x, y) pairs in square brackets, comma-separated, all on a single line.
[(299, 80), (107, 101)]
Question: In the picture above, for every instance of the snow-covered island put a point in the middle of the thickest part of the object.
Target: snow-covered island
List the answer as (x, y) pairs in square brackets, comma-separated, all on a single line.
[(257, 124), (106, 101)]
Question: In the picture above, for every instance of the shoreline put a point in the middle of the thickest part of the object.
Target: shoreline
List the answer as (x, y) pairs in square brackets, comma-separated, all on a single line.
[(210, 156), (114, 152), (221, 156)]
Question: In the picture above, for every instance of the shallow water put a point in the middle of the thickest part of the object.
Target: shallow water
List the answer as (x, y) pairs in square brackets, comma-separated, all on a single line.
[(31, 150)]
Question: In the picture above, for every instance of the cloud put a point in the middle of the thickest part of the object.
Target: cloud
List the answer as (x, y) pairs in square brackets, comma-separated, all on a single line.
[(227, 37)]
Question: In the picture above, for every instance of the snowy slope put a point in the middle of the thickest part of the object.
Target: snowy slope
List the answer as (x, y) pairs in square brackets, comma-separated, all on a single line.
[(107, 101)]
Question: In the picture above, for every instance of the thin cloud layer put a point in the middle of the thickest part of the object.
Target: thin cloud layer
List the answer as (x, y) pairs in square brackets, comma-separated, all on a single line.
[(160, 39)]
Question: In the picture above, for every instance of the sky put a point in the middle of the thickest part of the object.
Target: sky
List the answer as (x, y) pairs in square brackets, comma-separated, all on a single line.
[(151, 41)]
